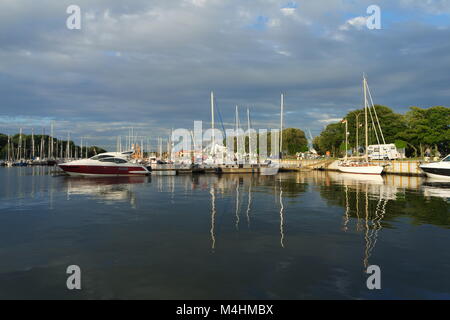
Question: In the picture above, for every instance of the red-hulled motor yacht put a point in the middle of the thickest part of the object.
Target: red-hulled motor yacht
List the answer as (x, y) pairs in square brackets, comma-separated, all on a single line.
[(105, 164)]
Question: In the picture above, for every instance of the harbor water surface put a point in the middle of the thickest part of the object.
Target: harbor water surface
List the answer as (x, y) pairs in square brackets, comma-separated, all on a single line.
[(293, 236)]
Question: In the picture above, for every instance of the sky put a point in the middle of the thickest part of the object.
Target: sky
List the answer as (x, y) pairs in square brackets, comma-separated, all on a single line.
[(151, 64)]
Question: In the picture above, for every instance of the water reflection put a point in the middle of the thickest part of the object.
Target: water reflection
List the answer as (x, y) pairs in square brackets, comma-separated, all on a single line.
[(281, 216), (436, 189), (107, 189), (290, 236), (213, 218)]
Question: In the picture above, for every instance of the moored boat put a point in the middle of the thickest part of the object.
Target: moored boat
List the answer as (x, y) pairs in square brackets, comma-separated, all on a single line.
[(363, 166), (269, 169), (360, 168), (106, 164), (438, 170)]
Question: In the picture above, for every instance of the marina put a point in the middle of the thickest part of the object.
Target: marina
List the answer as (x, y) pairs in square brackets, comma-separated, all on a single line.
[(225, 159), (290, 236)]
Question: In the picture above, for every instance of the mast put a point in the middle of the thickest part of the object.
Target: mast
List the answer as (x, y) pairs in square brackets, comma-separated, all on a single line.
[(281, 124), (249, 134), (248, 119), (67, 146), (20, 144), (366, 117), (346, 139), (25, 148), (32, 144), (237, 132), (213, 145), (51, 142), (9, 149), (42, 149)]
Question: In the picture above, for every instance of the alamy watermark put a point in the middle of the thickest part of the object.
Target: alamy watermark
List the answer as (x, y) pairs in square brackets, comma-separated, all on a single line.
[(74, 280), (374, 19), (374, 280), (229, 146), (73, 22)]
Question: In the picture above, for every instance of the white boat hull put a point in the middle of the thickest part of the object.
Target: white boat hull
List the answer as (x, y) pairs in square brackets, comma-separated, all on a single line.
[(373, 170), (438, 177), (269, 171), (437, 170)]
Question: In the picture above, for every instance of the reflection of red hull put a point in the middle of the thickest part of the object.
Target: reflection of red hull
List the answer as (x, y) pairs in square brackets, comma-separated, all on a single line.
[(85, 170)]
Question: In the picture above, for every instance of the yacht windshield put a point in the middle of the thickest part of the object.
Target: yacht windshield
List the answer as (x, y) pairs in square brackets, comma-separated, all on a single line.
[(114, 160), (446, 159), (99, 157)]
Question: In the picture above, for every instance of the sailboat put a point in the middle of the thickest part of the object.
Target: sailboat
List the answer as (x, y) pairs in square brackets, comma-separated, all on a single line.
[(361, 166), (271, 168)]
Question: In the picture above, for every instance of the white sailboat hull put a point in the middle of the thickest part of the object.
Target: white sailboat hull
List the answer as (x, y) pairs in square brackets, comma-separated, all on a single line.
[(269, 171), (373, 170)]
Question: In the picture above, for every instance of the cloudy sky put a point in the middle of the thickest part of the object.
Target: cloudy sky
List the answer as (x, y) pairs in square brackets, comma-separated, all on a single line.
[(151, 64)]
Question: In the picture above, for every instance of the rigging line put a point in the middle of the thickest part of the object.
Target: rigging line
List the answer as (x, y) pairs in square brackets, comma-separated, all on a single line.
[(220, 117), (374, 127), (376, 115)]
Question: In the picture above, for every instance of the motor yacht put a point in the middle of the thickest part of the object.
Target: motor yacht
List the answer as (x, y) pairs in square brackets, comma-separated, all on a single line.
[(105, 164), (438, 170)]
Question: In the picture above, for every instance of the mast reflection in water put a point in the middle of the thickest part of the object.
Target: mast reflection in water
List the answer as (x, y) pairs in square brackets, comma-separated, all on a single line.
[(293, 236)]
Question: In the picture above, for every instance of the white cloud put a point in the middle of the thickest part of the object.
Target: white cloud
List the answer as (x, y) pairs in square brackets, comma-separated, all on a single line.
[(357, 23), (288, 11), (197, 3), (329, 121), (151, 60)]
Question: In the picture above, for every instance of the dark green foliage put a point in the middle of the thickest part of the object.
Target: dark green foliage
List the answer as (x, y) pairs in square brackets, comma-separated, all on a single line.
[(416, 131)]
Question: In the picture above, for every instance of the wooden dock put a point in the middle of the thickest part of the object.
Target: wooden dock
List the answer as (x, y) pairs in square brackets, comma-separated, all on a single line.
[(399, 167)]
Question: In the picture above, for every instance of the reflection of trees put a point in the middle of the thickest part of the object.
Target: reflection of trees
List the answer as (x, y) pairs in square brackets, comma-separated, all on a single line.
[(413, 205)]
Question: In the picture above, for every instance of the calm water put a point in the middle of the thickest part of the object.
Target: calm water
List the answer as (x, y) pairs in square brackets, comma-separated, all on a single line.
[(294, 236)]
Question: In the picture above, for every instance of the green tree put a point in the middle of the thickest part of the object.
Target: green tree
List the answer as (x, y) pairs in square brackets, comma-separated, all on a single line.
[(427, 128), (331, 139), (294, 141)]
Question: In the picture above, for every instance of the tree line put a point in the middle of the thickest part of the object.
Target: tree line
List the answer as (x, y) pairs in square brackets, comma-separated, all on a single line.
[(41, 147), (420, 131)]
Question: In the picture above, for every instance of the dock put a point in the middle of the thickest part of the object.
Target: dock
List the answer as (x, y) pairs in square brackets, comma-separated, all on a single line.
[(409, 168), (399, 167)]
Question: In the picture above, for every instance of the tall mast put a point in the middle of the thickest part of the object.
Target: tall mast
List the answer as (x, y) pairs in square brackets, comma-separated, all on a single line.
[(32, 144), (213, 146), (9, 149), (20, 144), (248, 119), (25, 148), (51, 142), (40, 146), (366, 117), (237, 131), (281, 123), (248, 128), (346, 139), (68, 146)]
